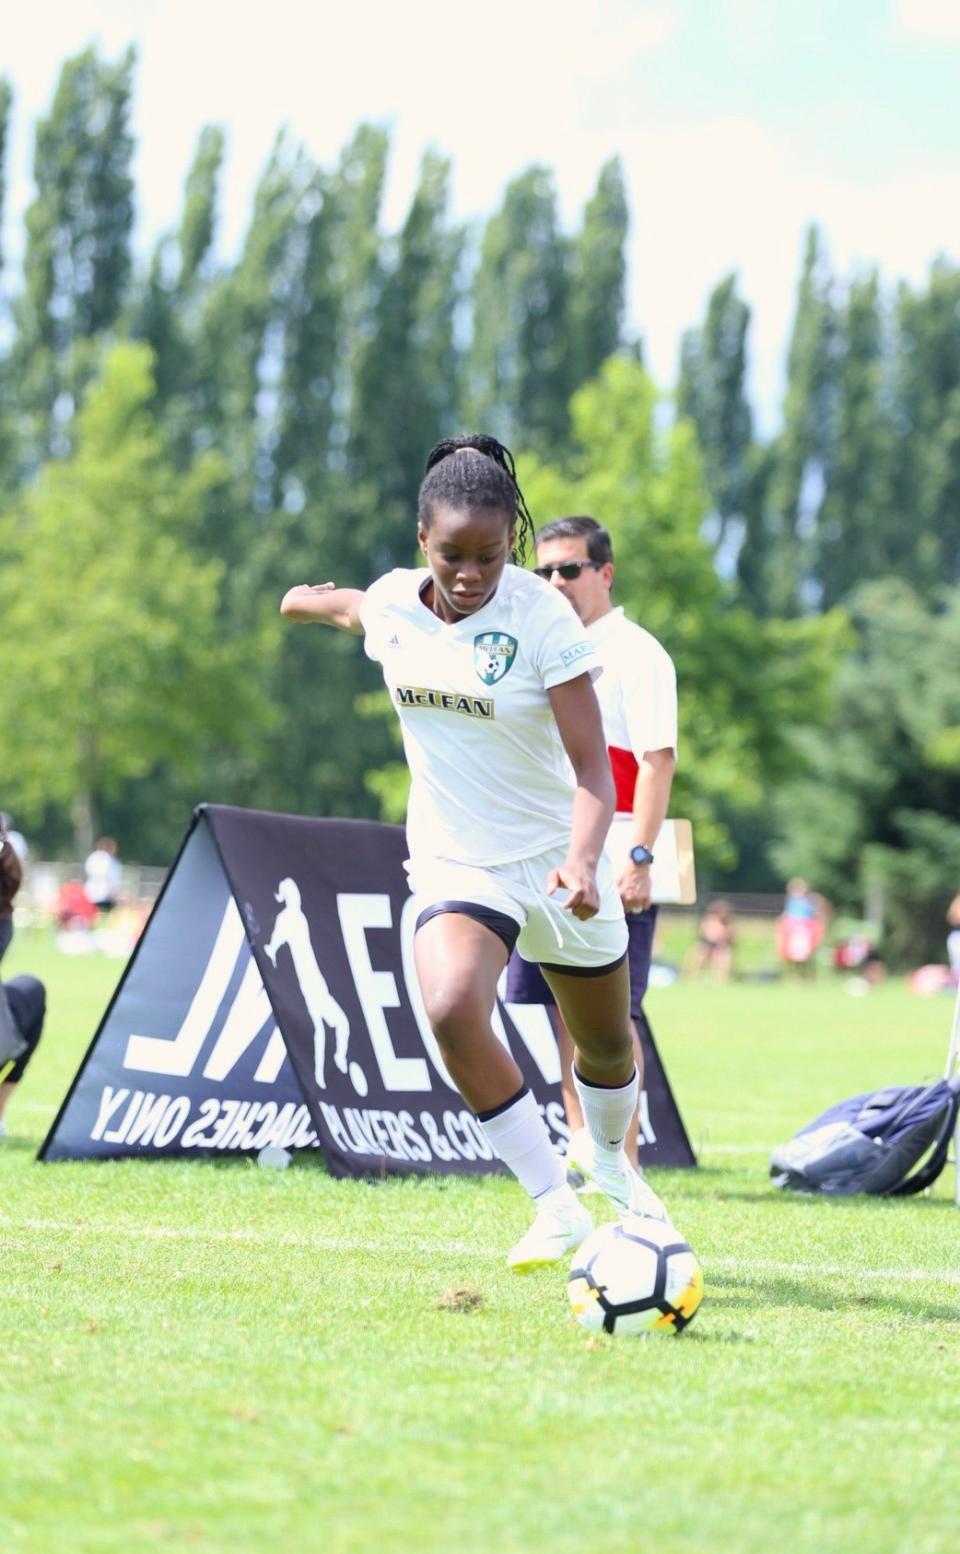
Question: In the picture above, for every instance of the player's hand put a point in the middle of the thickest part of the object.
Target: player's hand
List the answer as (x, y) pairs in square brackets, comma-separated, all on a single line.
[(634, 887), (581, 881)]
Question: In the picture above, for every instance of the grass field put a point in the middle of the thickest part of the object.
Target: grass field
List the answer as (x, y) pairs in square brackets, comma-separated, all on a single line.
[(218, 1357)]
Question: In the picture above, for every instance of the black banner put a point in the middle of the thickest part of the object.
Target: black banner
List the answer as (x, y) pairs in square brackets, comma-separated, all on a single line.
[(272, 999), (663, 1137)]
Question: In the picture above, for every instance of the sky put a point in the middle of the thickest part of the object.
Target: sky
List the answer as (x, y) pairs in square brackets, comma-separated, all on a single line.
[(738, 123)]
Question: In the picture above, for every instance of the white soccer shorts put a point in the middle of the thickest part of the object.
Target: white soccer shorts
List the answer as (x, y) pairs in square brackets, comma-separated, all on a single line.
[(548, 934)]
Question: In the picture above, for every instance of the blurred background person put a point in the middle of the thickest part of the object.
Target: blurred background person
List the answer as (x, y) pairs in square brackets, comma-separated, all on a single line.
[(953, 936), (800, 927), (16, 838), (103, 875), (11, 875), (713, 952)]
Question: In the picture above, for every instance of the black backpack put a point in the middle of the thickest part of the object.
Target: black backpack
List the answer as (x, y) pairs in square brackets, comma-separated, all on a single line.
[(12, 1043), (872, 1142)]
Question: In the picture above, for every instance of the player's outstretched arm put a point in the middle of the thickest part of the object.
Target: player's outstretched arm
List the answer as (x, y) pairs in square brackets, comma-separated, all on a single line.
[(325, 603)]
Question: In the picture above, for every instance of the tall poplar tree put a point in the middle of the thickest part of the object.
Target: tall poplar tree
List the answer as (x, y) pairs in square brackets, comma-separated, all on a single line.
[(77, 261), (169, 302), (7, 403), (406, 383), (518, 366), (802, 450), (926, 460), (854, 521), (6, 104), (327, 515), (598, 276), (712, 392)]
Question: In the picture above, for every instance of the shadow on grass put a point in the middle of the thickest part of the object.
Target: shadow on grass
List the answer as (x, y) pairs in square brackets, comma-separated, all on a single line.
[(18, 1144), (707, 1335), (781, 1291)]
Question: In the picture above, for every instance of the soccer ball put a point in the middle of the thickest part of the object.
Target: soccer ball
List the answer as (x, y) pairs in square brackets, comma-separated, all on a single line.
[(635, 1276)]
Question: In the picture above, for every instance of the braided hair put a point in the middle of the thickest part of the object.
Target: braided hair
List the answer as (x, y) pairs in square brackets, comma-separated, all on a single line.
[(475, 471)]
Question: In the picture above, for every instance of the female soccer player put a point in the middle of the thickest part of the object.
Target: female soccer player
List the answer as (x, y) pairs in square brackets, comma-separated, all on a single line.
[(491, 674)]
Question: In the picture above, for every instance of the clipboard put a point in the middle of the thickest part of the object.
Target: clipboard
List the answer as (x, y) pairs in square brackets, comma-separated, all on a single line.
[(673, 879)]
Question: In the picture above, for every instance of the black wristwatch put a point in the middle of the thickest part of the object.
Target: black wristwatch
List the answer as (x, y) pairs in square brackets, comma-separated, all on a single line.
[(640, 854)]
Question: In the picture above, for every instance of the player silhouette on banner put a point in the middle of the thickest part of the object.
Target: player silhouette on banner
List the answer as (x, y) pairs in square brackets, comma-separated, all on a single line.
[(292, 929)]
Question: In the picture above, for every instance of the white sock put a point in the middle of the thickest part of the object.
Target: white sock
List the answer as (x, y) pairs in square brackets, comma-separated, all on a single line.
[(519, 1135), (607, 1110)]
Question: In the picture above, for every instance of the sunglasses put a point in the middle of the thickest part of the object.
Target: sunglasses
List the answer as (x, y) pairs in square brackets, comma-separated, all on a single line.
[(568, 570)]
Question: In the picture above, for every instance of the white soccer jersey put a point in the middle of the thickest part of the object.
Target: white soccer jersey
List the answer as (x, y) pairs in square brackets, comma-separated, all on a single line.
[(491, 781), (637, 692)]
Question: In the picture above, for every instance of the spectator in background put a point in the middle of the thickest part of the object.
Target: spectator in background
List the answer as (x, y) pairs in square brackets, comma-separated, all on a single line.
[(800, 926), (858, 953), (953, 937), (103, 875), (16, 838), (23, 1007), (713, 951), (11, 874)]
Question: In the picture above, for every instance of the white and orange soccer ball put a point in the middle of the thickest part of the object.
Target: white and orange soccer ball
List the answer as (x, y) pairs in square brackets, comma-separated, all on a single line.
[(635, 1276)]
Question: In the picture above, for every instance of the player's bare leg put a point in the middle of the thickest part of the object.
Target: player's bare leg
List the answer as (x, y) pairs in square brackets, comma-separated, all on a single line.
[(459, 962), (596, 1012), (571, 1100)]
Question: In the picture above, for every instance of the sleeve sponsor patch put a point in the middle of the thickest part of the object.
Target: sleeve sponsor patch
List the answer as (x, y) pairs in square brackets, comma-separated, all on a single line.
[(571, 654)]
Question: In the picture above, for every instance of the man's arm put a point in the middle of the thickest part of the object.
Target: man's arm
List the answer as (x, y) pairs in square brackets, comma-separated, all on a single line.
[(651, 796), (325, 603)]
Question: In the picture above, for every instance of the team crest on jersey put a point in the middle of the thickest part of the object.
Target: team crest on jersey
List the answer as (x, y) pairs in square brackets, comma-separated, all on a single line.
[(493, 653)]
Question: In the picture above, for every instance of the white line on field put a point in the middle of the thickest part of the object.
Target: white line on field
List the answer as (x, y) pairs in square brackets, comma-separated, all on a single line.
[(239, 1237), (746, 1266)]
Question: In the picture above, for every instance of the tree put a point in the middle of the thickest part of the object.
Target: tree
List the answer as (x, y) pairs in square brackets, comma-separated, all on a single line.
[(239, 347), (926, 456), (168, 306), (878, 794), (327, 513), (712, 392), (198, 223), (854, 523), (405, 387), (7, 399), (77, 262), (518, 365), (307, 412), (117, 657), (598, 276), (801, 452), (6, 103)]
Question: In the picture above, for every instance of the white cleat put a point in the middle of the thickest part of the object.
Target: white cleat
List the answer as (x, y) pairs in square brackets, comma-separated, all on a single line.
[(619, 1181), (559, 1228)]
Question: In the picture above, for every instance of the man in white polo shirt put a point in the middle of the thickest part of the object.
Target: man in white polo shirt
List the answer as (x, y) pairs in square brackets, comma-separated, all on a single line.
[(637, 692)]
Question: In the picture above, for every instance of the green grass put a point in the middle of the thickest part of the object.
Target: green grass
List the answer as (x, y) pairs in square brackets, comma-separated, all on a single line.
[(217, 1357)]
